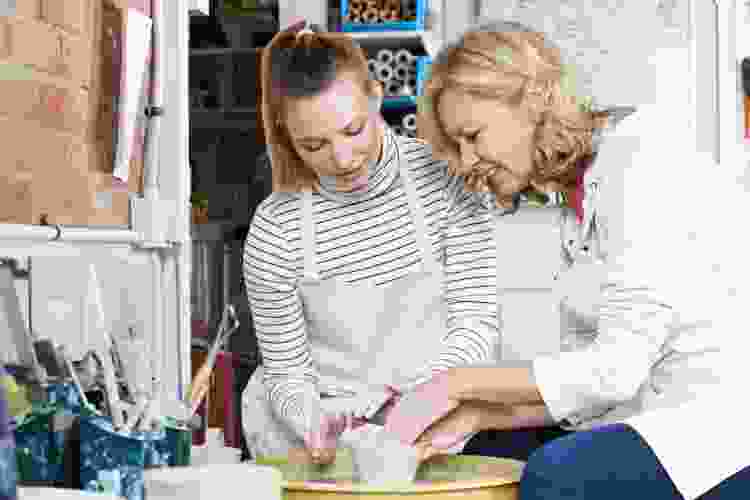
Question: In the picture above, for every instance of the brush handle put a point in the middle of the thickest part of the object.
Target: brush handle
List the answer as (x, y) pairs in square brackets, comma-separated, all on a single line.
[(200, 386)]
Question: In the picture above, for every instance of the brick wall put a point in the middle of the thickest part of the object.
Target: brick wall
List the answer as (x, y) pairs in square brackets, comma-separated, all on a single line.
[(59, 81)]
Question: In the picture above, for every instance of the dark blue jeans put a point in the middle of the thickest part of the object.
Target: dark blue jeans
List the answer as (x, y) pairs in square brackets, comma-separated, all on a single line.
[(611, 462)]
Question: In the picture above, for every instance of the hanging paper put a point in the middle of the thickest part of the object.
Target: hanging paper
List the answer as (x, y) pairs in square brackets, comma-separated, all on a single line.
[(135, 53)]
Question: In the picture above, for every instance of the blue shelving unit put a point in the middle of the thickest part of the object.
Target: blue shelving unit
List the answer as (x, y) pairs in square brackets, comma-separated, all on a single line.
[(415, 25), (400, 102), (423, 67)]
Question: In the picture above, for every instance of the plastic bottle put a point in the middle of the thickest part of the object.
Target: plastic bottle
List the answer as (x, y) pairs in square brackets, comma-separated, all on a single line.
[(8, 464)]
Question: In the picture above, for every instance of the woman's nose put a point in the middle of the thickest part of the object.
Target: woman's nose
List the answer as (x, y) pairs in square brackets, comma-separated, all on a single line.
[(342, 157)]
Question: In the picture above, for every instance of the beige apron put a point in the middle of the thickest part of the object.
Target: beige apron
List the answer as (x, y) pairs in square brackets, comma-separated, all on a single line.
[(361, 336)]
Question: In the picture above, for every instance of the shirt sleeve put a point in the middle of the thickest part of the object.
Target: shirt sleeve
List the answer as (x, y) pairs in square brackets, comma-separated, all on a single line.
[(470, 277), (271, 282), (633, 308)]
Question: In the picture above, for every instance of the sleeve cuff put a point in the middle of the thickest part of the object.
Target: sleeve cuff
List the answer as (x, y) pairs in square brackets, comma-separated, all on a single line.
[(561, 404)]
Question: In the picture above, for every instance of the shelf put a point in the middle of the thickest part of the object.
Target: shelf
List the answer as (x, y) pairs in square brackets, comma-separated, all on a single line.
[(418, 40), (213, 230), (221, 52), (395, 103), (233, 118)]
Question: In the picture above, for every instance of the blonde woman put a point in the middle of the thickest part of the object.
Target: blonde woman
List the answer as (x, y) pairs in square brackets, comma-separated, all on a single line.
[(368, 269), (641, 401)]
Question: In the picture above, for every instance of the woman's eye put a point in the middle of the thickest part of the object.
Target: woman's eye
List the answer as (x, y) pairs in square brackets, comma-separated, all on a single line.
[(472, 136), (352, 133), (313, 149)]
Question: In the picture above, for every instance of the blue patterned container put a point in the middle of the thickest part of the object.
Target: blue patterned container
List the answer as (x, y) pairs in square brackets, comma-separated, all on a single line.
[(64, 396), (8, 466), (175, 448), (113, 462), (40, 448)]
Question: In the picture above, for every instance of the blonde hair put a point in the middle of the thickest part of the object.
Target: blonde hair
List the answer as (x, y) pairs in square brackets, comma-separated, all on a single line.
[(298, 65), (510, 61)]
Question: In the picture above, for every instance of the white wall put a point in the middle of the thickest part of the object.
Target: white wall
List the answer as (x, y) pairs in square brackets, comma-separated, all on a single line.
[(59, 270), (58, 302)]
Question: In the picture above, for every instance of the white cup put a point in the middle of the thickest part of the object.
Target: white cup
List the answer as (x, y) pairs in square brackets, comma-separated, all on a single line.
[(379, 458)]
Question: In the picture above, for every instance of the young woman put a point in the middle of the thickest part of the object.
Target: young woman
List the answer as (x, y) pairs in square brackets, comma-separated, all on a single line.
[(640, 402), (368, 269)]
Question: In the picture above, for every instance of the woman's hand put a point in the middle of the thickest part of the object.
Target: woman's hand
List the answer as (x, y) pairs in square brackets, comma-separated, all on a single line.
[(425, 404), (466, 419), (321, 443)]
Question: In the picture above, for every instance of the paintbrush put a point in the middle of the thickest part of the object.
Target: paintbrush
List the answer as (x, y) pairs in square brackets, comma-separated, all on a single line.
[(202, 380), (63, 353)]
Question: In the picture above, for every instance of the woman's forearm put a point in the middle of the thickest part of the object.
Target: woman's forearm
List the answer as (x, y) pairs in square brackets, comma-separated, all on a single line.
[(509, 383), (502, 417)]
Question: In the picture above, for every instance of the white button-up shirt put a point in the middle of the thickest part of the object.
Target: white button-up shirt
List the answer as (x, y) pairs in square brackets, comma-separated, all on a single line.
[(653, 292)]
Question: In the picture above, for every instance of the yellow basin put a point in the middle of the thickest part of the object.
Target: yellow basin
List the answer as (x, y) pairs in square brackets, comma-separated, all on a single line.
[(448, 476)]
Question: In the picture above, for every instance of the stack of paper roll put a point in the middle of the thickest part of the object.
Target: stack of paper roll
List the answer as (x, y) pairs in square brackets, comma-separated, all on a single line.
[(407, 127), (396, 70), (380, 11)]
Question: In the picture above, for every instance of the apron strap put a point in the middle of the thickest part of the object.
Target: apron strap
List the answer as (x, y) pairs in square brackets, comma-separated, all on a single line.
[(417, 211), (308, 238), (415, 206)]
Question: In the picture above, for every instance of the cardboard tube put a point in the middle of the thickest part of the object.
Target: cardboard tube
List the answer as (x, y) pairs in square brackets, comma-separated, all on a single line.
[(406, 90), (384, 73), (412, 82), (393, 87), (410, 122), (398, 129), (401, 72), (404, 57), (370, 16), (372, 66), (385, 56)]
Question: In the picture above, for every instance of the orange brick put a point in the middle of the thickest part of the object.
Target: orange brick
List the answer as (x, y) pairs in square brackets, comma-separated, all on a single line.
[(15, 199), (4, 39), (34, 43), (70, 15), (63, 109), (29, 9), (77, 54), (114, 211), (39, 176), (27, 147), (18, 98)]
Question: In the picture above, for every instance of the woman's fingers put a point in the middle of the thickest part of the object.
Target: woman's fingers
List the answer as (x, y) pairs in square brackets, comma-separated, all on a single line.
[(296, 26)]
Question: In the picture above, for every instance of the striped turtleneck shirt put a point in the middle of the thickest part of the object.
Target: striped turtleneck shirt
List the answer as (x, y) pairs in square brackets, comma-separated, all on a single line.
[(461, 224)]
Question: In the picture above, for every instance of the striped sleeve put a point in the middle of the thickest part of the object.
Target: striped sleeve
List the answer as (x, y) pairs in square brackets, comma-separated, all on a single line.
[(470, 273), (270, 280)]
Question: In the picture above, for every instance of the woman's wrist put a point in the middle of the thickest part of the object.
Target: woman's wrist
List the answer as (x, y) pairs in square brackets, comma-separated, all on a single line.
[(492, 416), (507, 385)]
